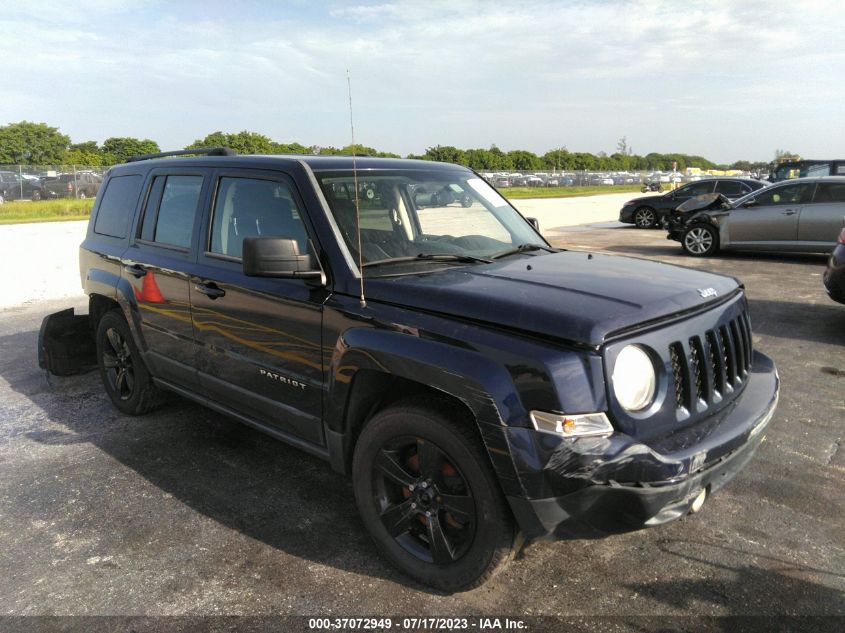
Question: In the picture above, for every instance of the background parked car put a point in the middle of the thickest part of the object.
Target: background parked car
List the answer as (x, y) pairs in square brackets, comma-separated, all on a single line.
[(15, 187), (649, 211), (807, 169), (794, 216), (79, 185), (834, 276)]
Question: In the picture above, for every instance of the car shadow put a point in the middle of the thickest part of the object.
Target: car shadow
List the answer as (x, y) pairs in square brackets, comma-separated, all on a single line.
[(820, 322), (762, 590), (237, 476)]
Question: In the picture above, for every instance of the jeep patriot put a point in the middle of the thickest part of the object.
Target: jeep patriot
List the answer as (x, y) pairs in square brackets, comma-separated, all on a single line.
[(486, 390)]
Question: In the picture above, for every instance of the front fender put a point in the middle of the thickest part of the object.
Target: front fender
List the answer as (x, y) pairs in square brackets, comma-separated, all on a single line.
[(484, 386)]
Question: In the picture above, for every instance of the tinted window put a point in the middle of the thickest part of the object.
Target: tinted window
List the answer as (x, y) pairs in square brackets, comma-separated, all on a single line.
[(175, 220), (732, 188), (797, 193), (117, 205), (247, 207), (695, 189), (830, 192)]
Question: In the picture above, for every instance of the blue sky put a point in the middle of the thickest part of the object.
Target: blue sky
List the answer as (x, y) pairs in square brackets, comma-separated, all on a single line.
[(727, 80)]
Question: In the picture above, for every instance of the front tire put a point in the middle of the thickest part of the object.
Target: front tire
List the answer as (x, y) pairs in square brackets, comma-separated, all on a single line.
[(125, 376), (645, 218), (429, 498), (700, 240)]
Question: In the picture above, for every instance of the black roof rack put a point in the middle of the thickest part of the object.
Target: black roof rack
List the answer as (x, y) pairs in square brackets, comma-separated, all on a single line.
[(211, 151)]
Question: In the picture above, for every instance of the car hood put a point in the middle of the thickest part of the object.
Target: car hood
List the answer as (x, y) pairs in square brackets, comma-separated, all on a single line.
[(572, 295)]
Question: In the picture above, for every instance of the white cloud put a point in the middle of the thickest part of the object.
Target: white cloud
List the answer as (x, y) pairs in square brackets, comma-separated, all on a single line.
[(533, 74)]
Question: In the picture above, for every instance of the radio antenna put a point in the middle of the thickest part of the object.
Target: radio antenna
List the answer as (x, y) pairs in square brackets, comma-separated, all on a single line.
[(357, 202)]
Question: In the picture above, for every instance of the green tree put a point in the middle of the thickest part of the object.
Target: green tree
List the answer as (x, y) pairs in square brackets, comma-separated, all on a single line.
[(120, 149), (445, 154), (785, 154), (523, 160), (32, 143), (243, 142), (86, 153)]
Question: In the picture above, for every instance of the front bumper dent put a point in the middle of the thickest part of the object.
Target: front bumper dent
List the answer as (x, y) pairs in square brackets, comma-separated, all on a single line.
[(613, 485)]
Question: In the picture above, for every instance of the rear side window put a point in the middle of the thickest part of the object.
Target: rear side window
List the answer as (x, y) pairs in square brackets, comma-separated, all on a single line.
[(830, 192), (732, 188), (171, 208), (117, 206)]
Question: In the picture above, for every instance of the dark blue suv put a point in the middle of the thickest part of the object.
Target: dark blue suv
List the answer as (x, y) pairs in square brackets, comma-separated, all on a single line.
[(480, 386)]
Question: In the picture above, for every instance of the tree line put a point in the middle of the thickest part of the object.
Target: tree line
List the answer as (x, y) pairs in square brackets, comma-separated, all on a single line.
[(30, 143)]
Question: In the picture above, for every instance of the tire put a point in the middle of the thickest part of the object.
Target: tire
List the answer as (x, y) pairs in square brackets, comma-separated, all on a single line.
[(700, 240), (408, 460), (659, 188), (36, 195), (82, 195), (645, 218), (643, 189), (123, 372)]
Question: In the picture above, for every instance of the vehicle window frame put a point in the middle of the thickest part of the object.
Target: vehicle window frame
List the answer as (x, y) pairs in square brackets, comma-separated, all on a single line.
[(212, 258), (816, 191), (788, 183), (149, 184), (133, 210)]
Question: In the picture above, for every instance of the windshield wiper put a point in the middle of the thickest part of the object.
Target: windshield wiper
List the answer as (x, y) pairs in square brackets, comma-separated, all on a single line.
[(523, 248), (432, 257)]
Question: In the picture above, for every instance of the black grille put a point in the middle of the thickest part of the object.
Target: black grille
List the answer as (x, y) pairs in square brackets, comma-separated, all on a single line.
[(707, 368)]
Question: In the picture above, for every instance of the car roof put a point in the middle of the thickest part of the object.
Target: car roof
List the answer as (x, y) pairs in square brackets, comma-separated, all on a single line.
[(316, 163)]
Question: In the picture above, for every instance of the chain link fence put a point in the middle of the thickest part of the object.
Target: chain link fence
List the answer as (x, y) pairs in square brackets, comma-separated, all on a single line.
[(44, 182)]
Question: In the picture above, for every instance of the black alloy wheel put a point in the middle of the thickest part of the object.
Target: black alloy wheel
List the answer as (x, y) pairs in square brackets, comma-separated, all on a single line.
[(645, 217), (120, 369), (425, 502), (428, 495), (125, 376)]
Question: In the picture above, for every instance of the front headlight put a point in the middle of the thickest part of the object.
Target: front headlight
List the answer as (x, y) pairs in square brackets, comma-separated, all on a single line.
[(634, 379)]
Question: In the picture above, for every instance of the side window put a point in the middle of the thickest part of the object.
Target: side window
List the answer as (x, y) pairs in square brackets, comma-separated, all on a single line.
[(249, 207), (117, 206), (731, 188), (797, 193), (816, 170), (697, 189), (177, 198), (829, 192)]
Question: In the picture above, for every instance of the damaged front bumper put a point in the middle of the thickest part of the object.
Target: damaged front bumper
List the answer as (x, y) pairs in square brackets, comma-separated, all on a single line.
[(590, 487)]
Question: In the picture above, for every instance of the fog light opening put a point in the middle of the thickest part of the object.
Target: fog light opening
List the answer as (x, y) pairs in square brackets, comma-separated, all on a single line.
[(698, 502)]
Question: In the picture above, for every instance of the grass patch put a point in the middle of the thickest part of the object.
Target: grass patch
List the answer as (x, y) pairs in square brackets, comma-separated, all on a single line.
[(62, 210), (515, 193)]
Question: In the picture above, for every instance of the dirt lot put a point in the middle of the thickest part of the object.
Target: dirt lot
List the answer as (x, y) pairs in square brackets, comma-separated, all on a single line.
[(185, 512)]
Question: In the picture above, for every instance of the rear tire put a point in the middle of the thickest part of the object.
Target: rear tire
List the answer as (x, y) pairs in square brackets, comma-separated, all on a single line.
[(429, 498), (125, 376), (700, 240), (645, 218), (36, 196)]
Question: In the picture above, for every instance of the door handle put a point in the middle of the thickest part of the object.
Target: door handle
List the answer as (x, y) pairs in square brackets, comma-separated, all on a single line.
[(788, 212), (135, 270), (210, 290)]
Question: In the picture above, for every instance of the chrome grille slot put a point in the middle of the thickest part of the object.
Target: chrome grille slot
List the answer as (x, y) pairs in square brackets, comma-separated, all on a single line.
[(696, 360), (717, 363), (676, 353)]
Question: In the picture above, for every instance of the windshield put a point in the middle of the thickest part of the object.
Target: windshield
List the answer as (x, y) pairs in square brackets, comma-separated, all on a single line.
[(405, 214)]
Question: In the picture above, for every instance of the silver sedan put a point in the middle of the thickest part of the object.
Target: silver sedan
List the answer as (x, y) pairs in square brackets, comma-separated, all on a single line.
[(799, 216)]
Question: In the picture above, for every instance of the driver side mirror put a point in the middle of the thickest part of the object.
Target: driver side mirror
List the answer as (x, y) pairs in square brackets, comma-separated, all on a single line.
[(535, 223), (277, 257), (751, 203)]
